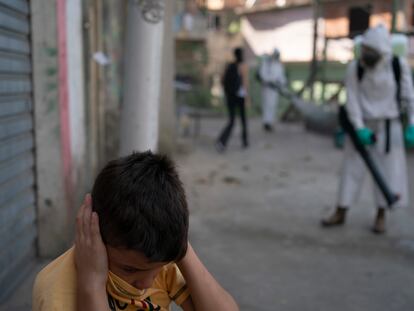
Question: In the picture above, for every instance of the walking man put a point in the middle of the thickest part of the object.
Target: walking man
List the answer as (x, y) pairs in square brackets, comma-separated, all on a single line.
[(235, 83)]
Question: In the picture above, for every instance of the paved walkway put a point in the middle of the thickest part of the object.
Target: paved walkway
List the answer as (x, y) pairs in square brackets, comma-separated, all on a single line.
[(255, 223)]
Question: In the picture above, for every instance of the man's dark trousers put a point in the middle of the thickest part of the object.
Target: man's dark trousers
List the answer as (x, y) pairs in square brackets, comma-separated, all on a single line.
[(235, 103)]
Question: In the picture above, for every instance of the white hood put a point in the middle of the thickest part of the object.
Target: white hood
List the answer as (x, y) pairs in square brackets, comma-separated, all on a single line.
[(379, 39)]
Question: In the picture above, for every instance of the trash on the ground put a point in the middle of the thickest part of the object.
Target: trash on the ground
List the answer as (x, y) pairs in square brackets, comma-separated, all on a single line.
[(231, 180)]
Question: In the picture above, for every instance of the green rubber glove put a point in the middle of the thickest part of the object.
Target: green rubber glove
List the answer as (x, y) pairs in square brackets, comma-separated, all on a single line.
[(409, 136), (365, 136)]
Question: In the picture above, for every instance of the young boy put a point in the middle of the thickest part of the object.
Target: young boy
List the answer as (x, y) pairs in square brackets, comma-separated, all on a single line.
[(131, 250)]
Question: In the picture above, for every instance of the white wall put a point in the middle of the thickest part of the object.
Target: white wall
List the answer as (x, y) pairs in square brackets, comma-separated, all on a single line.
[(50, 186), (290, 30), (60, 127)]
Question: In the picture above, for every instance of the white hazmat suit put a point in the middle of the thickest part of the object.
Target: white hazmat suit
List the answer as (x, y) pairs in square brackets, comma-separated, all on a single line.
[(270, 71), (370, 102)]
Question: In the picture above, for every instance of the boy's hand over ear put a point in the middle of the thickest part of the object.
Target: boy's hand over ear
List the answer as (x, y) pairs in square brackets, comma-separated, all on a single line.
[(206, 293), (91, 261), (90, 253)]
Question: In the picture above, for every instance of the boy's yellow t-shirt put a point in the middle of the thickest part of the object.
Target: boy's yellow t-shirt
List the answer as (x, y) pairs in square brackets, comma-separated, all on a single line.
[(55, 289)]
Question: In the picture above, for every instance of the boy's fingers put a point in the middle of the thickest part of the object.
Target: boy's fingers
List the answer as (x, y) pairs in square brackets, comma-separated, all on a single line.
[(88, 199), (88, 208), (80, 211), (87, 222), (96, 234), (79, 222)]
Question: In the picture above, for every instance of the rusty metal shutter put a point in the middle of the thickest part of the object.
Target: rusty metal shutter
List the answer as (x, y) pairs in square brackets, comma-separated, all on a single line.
[(17, 196)]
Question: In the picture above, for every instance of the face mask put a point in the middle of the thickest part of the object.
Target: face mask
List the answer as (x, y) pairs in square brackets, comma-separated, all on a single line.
[(370, 58)]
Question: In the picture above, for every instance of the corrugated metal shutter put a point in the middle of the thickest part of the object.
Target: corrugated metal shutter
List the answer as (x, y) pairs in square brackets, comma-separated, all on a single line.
[(17, 198)]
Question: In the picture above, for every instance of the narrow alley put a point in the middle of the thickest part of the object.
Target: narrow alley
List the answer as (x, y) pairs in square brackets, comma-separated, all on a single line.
[(86, 82)]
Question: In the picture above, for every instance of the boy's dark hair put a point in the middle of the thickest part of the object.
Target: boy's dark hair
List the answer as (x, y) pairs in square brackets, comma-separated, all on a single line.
[(142, 206)]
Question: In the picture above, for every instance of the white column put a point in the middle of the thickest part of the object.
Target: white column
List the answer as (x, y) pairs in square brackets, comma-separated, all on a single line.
[(142, 76), (76, 96), (167, 127)]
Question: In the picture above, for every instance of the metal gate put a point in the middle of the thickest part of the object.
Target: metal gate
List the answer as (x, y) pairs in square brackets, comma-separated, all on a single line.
[(17, 197)]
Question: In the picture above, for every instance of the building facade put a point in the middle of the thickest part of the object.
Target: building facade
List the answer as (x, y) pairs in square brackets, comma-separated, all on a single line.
[(62, 71)]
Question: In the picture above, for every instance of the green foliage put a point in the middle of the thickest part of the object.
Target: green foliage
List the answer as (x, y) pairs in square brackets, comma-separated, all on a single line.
[(234, 27)]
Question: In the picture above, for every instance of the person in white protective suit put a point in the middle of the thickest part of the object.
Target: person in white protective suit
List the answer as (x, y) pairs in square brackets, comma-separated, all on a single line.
[(374, 109), (271, 72)]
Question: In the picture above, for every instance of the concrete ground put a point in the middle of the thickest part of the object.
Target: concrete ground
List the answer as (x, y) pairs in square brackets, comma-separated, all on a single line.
[(255, 223)]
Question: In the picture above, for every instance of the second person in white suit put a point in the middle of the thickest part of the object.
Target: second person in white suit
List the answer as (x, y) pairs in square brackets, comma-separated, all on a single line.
[(271, 73)]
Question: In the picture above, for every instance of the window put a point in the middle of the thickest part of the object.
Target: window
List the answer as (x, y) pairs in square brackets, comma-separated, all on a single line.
[(214, 22)]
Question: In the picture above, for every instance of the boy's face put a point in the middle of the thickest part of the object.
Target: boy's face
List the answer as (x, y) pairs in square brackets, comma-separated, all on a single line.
[(133, 267)]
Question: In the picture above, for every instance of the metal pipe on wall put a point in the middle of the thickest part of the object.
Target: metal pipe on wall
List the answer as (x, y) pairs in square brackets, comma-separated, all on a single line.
[(142, 76)]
